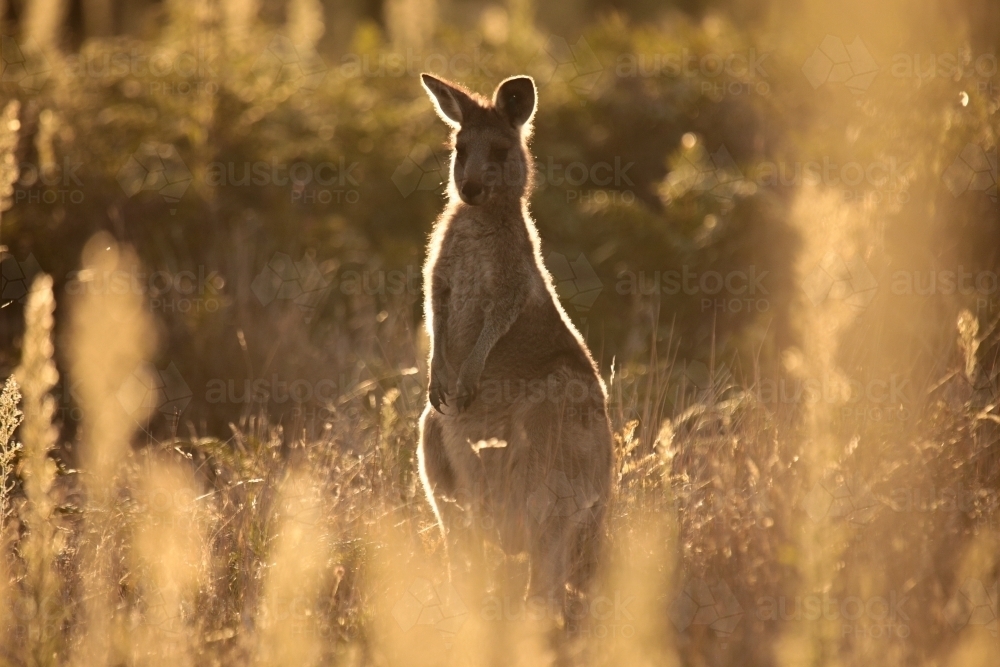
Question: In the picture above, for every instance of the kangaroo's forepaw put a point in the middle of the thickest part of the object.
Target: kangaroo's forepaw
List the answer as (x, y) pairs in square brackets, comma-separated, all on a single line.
[(464, 395), (436, 395)]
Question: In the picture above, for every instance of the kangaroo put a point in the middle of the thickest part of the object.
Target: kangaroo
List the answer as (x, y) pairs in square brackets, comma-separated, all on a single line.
[(515, 431)]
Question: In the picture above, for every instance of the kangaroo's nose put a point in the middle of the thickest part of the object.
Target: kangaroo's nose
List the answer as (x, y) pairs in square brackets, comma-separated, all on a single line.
[(471, 190)]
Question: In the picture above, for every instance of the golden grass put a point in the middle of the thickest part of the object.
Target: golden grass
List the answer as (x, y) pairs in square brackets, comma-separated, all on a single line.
[(731, 515)]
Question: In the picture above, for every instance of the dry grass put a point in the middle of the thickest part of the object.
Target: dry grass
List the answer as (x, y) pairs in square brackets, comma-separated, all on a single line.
[(750, 526), (734, 517), (10, 419)]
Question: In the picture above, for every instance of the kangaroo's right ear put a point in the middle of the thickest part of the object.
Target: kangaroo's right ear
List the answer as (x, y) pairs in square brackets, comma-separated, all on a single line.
[(451, 102)]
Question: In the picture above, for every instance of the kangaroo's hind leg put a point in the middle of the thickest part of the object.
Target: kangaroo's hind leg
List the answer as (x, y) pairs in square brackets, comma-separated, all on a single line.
[(436, 474), (441, 487)]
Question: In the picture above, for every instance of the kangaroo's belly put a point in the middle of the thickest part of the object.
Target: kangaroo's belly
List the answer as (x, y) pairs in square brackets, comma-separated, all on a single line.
[(514, 456)]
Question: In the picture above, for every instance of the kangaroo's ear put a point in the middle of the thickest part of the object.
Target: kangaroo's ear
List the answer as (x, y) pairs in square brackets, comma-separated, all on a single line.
[(515, 99), (452, 103)]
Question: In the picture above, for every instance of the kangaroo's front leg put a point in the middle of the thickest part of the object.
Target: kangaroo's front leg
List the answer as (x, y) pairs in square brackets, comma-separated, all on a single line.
[(500, 314), (440, 370)]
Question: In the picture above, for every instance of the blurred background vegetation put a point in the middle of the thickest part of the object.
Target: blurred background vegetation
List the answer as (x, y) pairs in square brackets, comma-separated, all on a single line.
[(293, 135), (819, 175)]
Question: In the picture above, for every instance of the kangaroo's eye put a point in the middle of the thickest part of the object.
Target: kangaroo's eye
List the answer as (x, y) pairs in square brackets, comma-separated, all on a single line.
[(460, 151), (498, 154)]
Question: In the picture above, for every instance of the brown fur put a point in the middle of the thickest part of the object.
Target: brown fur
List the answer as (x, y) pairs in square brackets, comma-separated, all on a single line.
[(506, 362)]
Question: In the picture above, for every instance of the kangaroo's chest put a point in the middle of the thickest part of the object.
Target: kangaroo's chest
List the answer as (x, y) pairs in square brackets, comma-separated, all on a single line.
[(471, 264), (481, 266)]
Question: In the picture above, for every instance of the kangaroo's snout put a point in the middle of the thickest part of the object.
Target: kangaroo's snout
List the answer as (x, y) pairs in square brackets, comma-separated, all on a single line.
[(479, 166), (473, 193)]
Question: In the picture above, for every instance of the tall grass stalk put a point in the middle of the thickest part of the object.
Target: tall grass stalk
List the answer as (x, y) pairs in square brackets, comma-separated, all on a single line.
[(297, 576), (43, 543), (827, 226), (10, 419), (9, 126), (42, 21), (111, 340), (172, 551)]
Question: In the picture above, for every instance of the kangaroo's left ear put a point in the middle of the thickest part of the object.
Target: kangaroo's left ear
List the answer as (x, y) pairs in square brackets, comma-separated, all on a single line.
[(515, 99)]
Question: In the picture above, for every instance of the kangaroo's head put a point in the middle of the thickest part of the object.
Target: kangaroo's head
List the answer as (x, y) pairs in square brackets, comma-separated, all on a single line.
[(490, 156)]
